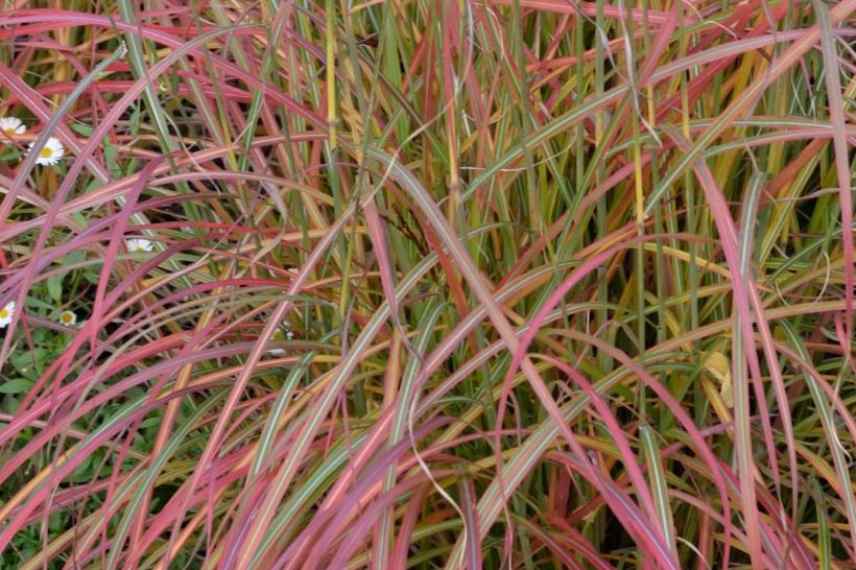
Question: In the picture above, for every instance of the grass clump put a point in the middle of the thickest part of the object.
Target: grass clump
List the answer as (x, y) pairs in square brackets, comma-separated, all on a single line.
[(513, 284)]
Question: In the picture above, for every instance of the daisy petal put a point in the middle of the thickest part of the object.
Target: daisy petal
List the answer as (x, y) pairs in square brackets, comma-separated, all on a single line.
[(51, 153), (12, 126), (139, 244), (6, 314), (68, 318)]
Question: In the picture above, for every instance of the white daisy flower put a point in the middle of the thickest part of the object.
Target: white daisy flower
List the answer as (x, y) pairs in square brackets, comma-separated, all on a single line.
[(51, 153), (6, 314), (12, 126), (139, 244), (68, 318)]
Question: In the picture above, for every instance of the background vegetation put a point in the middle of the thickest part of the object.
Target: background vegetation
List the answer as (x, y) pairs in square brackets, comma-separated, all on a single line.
[(529, 284)]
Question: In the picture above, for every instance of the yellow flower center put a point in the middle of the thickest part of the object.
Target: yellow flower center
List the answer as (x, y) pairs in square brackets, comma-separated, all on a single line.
[(66, 318), (45, 152), (4, 313), (9, 131)]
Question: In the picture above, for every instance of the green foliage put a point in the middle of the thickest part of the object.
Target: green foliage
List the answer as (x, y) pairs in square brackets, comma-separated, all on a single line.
[(529, 284)]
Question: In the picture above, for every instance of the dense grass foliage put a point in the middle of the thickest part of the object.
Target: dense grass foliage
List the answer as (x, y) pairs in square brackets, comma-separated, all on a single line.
[(528, 284)]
